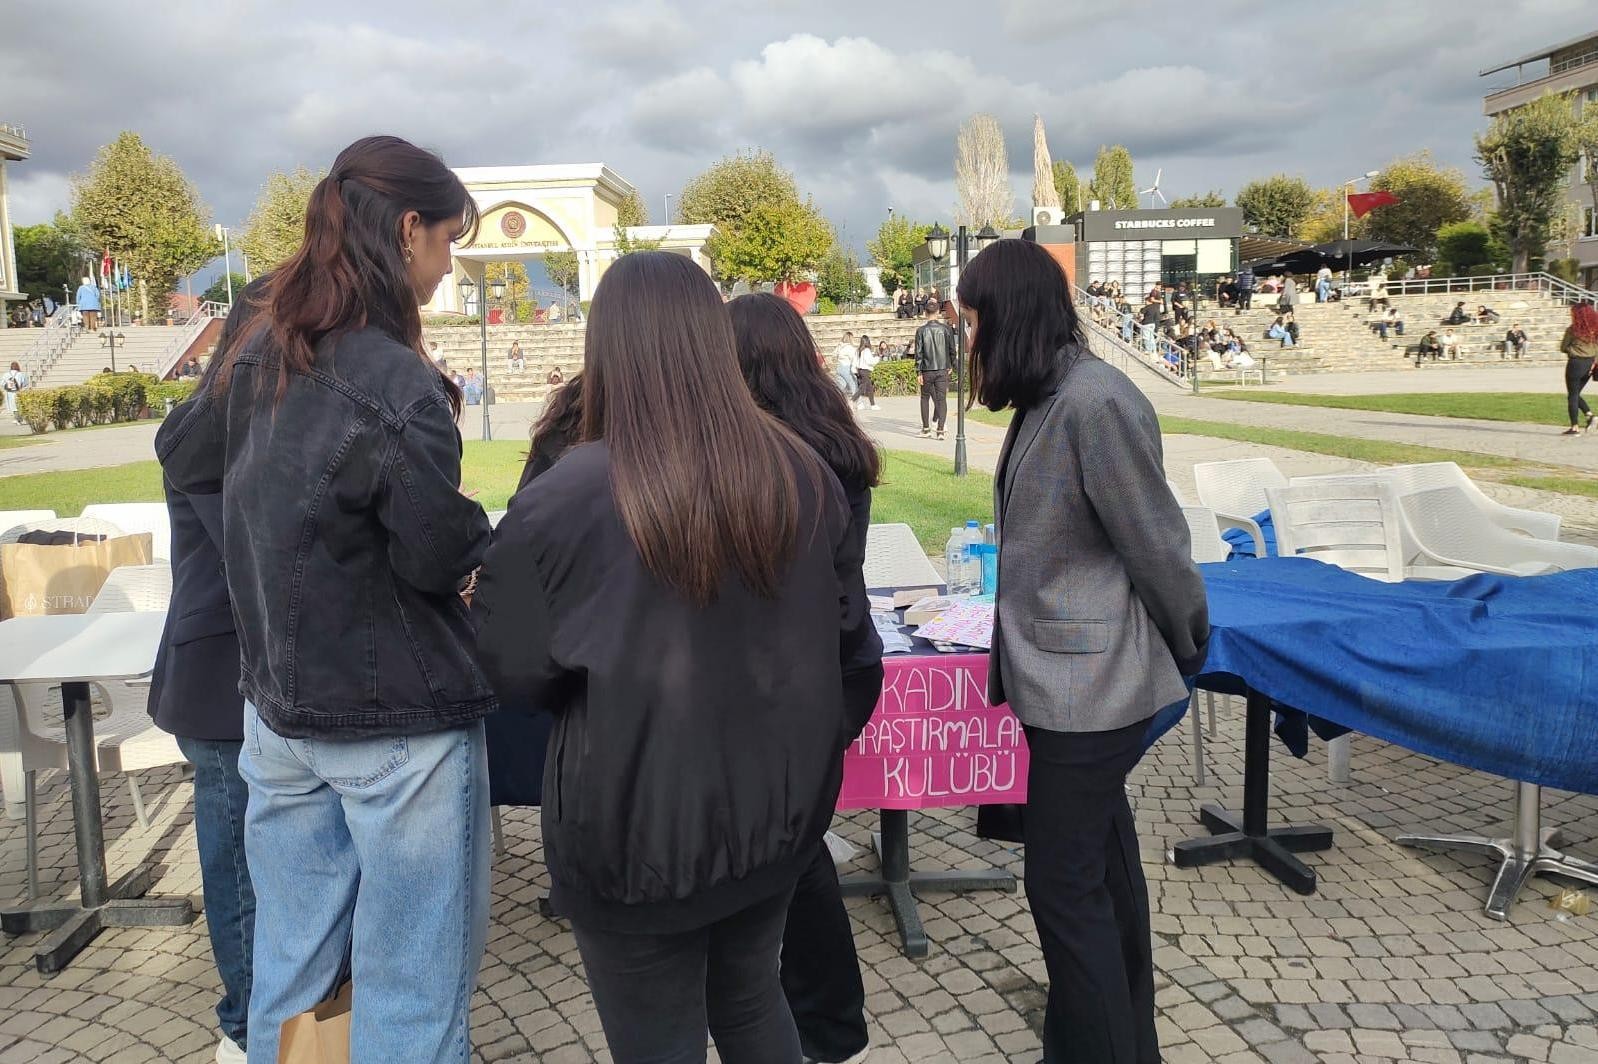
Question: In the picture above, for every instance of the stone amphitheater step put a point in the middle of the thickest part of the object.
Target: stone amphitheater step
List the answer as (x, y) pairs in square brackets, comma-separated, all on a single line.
[(142, 346), (547, 347)]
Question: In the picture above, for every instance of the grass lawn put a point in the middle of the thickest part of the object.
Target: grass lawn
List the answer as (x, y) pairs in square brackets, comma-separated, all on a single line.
[(1380, 452), (19, 441), (919, 490), (1587, 486), (1536, 408)]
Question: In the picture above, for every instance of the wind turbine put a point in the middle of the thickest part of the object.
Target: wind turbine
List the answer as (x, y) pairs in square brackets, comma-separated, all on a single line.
[(1154, 190)]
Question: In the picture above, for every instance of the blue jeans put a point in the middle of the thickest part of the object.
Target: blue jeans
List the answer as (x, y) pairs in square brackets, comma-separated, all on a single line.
[(379, 847), (220, 797)]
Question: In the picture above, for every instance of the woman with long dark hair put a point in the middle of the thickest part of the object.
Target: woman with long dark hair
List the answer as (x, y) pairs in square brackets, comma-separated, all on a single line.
[(346, 540), (1580, 348), (865, 360), (1100, 613), (681, 593), (820, 970)]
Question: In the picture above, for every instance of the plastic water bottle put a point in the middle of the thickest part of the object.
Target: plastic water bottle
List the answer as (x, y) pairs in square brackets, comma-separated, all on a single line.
[(973, 563), (954, 561)]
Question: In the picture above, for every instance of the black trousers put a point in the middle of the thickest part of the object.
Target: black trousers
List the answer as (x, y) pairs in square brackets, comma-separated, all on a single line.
[(657, 994), (867, 385), (820, 971), (1245, 299), (1578, 371), (935, 395), (1084, 882)]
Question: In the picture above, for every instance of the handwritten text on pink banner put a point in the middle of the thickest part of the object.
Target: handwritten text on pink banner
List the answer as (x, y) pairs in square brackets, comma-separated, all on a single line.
[(935, 741)]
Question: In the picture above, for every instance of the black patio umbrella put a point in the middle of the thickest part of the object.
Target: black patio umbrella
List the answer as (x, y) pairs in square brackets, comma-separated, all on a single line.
[(1335, 253)]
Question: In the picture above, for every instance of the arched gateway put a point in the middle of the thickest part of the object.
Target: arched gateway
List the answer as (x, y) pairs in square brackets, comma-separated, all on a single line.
[(530, 211)]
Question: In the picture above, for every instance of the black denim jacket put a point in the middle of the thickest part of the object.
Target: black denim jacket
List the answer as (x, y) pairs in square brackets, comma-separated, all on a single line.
[(345, 538)]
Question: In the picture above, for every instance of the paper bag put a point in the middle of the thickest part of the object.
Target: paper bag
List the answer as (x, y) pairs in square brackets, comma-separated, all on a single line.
[(36, 580), (320, 1036)]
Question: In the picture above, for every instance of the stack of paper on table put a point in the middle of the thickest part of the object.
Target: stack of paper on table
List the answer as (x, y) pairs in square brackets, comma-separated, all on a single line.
[(965, 623)]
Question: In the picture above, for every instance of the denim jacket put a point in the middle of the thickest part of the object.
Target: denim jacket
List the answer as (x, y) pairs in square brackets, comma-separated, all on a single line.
[(345, 538)]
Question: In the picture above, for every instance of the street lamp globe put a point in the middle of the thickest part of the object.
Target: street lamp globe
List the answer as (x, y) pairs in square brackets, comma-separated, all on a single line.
[(497, 288), (986, 236), (938, 243), (467, 288)]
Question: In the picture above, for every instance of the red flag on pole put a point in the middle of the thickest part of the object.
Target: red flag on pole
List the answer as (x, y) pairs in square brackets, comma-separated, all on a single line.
[(105, 269), (1362, 203)]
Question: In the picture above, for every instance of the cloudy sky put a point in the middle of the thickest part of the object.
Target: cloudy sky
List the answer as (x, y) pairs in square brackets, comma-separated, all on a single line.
[(860, 100)]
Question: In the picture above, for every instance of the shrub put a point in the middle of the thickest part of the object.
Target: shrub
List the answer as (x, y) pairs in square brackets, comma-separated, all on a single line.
[(897, 377), (101, 401), (169, 391), (128, 390), (824, 305), (37, 408)]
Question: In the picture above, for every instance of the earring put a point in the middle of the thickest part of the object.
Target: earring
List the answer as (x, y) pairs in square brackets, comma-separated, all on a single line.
[(409, 253)]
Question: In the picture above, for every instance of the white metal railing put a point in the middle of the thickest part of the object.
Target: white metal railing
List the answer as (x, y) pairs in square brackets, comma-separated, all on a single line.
[(1168, 361), (57, 336), (1544, 283), (180, 344)]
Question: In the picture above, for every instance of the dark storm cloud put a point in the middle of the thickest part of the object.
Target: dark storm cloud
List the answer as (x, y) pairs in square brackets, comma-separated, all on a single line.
[(860, 101)]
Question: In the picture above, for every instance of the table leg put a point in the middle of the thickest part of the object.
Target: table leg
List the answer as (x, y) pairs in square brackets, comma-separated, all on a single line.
[(1252, 837), (1531, 850), (122, 904), (898, 883)]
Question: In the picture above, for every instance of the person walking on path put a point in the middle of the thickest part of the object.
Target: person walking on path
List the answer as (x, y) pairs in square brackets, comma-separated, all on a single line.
[(725, 548), (843, 358), (1100, 614), (934, 350), (12, 383), (347, 541), (820, 970), (865, 361), (1580, 348)]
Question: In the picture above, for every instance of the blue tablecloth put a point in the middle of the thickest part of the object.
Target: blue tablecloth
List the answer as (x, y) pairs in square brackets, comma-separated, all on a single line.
[(1494, 673)]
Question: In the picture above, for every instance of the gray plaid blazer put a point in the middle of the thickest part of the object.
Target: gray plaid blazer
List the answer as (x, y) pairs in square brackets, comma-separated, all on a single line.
[(1101, 610)]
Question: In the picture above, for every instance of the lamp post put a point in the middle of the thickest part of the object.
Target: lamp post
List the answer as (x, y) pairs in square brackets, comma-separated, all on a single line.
[(498, 289), (227, 258), (1348, 189), (938, 248), (110, 338), (668, 208)]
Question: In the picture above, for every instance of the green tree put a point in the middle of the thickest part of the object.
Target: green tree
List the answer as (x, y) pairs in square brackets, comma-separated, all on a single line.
[(276, 225), (1212, 198), (726, 193), (1276, 206), (218, 292), (139, 206), (1527, 154), (629, 214), (779, 241), (1430, 197), (1069, 186), (1462, 246), (563, 270), (894, 248), (839, 278), (1324, 222), (1587, 148), (1112, 183), (49, 255), (514, 276)]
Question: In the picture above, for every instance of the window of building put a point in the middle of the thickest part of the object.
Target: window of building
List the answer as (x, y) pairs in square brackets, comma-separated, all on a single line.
[(1589, 223)]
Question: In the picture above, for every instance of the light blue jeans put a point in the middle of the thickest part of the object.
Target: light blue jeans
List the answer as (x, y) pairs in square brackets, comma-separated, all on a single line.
[(375, 849)]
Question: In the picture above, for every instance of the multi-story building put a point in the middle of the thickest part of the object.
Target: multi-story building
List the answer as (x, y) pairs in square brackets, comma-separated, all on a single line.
[(1571, 67), (13, 148)]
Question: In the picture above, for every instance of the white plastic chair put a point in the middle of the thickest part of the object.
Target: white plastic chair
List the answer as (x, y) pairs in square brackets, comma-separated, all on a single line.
[(1448, 530), (83, 526), (894, 558), (1206, 546), (136, 517), (1409, 479), (1237, 487), (1352, 524), (125, 739), (9, 519)]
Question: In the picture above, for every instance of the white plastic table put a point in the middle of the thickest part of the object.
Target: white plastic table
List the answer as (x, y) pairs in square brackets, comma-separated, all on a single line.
[(76, 650)]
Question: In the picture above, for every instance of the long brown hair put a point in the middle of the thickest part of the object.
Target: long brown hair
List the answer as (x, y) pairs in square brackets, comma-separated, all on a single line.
[(350, 272), (1584, 322), (778, 356), (704, 480)]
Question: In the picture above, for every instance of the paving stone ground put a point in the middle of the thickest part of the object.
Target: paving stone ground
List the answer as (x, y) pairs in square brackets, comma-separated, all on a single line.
[(1392, 959)]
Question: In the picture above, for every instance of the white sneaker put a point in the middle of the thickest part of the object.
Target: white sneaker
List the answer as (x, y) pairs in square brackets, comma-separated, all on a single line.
[(228, 1052), (858, 1058), (874, 406)]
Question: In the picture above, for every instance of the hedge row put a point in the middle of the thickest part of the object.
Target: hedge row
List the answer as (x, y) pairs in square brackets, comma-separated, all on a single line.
[(101, 400)]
